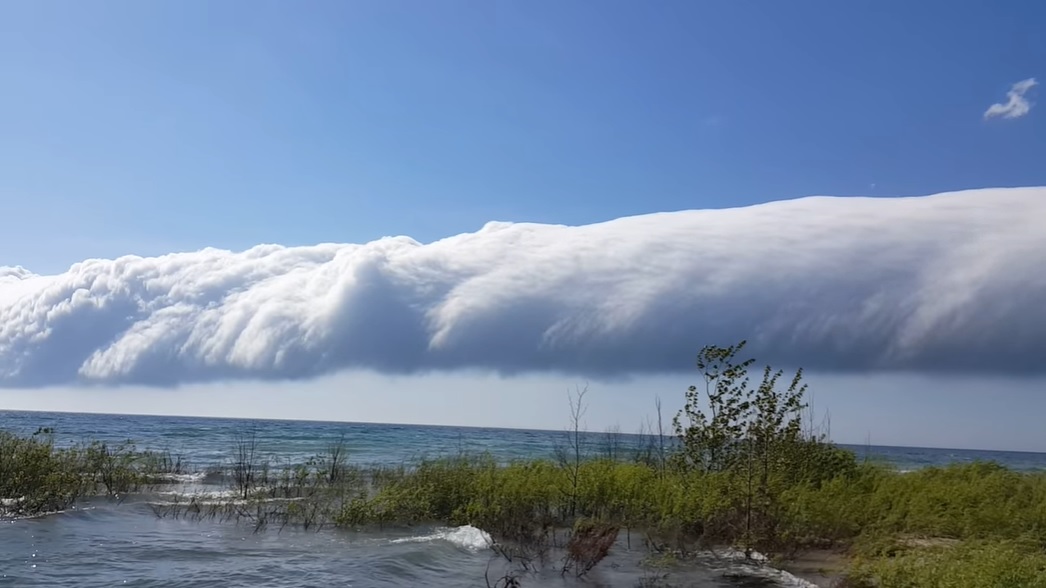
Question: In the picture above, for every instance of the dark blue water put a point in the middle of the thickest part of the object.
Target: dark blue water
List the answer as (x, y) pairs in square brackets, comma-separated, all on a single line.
[(206, 442), (105, 543)]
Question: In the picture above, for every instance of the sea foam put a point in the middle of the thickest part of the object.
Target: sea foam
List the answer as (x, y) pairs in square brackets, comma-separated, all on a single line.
[(194, 478), (467, 537), (758, 565)]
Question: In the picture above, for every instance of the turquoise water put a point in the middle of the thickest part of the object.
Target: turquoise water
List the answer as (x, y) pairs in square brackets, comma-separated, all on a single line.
[(122, 543)]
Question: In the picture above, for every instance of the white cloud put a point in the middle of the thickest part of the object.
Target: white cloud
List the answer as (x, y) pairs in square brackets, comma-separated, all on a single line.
[(1016, 104), (945, 282)]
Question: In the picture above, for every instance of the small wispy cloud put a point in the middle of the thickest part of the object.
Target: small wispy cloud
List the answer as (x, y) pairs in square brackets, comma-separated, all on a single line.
[(1016, 104)]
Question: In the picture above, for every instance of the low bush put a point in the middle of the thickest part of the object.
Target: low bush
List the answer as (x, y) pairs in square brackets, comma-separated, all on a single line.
[(37, 476), (978, 564)]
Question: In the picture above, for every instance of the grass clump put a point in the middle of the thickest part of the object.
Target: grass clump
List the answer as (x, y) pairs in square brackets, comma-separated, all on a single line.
[(37, 476), (877, 509), (974, 564), (974, 501)]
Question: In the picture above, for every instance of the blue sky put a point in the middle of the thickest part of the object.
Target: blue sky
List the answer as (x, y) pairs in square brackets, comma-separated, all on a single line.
[(136, 127), (157, 127)]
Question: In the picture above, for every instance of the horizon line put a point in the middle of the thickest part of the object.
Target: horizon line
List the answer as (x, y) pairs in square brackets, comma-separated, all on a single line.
[(474, 427)]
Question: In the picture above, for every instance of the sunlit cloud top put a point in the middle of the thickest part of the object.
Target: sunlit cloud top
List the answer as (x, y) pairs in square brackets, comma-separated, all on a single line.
[(946, 282)]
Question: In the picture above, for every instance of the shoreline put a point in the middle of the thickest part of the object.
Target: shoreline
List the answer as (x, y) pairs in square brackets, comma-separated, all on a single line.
[(824, 568)]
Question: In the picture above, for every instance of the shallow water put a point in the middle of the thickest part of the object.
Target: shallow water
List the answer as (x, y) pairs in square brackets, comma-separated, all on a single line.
[(112, 543), (105, 544)]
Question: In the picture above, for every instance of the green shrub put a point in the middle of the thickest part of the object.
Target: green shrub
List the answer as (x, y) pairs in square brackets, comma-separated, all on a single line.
[(968, 565), (36, 477)]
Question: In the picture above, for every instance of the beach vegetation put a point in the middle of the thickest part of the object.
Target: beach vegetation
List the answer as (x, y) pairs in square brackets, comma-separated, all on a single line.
[(38, 476)]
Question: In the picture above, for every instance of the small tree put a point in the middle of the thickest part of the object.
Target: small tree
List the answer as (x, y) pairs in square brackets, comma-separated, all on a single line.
[(708, 438), (570, 457), (752, 436), (661, 454)]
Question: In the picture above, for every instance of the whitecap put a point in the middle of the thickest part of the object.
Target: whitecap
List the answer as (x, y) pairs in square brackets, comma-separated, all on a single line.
[(757, 565), (467, 537), (203, 493), (183, 478)]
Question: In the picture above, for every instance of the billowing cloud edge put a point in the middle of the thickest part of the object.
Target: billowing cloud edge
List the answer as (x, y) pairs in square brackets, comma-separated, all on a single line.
[(950, 282)]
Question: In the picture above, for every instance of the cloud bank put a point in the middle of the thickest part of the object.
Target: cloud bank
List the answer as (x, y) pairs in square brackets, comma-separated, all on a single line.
[(1016, 104), (946, 282)]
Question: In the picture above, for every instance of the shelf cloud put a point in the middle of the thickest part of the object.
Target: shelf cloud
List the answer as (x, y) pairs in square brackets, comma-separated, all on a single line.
[(951, 282)]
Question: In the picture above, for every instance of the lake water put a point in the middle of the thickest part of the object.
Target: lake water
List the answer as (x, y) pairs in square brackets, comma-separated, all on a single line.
[(108, 543)]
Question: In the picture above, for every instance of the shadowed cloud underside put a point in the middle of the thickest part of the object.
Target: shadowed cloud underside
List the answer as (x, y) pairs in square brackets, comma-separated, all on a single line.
[(945, 282)]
